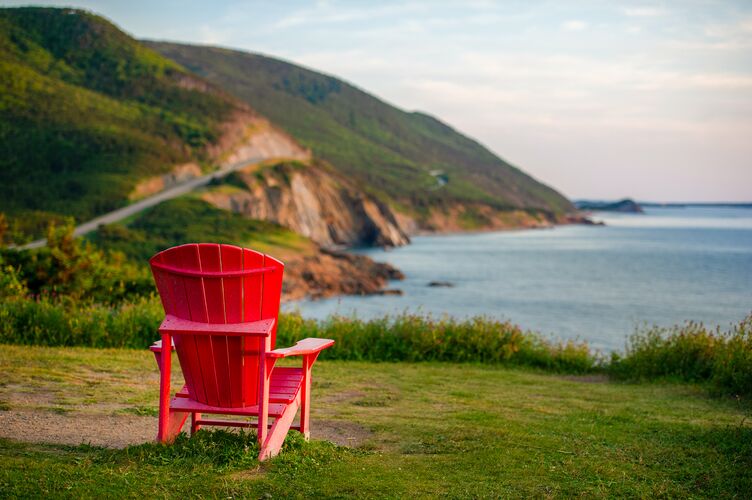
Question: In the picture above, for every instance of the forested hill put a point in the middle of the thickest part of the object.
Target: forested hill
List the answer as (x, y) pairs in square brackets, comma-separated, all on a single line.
[(395, 154), (86, 111), (89, 116)]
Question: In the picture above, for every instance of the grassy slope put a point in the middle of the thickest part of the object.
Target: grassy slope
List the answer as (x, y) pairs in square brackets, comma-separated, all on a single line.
[(435, 429), (86, 111), (388, 150), (189, 220)]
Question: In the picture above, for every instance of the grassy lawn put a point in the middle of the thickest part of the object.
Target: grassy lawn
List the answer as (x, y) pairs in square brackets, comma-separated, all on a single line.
[(420, 429)]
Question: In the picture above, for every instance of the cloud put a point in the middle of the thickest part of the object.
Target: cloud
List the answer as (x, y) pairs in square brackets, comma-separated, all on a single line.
[(574, 25), (644, 11), (328, 13)]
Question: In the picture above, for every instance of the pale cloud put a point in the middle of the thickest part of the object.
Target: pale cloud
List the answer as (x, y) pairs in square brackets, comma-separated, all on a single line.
[(331, 13), (574, 25), (644, 11)]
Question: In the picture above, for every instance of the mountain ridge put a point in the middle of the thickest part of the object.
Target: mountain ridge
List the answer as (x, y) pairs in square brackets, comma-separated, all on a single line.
[(137, 120), (390, 151)]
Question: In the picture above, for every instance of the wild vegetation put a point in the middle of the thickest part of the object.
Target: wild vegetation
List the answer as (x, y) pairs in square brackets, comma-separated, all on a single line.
[(391, 152), (86, 111), (190, 219), (71, 294)]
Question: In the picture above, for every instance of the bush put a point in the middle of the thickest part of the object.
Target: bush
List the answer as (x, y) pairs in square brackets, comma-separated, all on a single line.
[(423, 338), (732, 367), (691, 353), (71, 267), (63, 321)]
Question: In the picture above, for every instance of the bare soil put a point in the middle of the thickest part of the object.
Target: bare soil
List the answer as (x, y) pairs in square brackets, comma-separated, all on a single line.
[(119, 431)]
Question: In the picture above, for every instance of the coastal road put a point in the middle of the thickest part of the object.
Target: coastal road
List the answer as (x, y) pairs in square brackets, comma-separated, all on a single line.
[(167, 194)]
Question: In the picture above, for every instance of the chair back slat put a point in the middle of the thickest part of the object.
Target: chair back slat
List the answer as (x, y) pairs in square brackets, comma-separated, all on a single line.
[(272, 292), (211, 261), (198, 348), (178, 306), (232, 289), (217, 284), (252, 290)]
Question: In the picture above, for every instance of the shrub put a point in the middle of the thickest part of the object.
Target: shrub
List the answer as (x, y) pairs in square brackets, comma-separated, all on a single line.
[(691, 353), (63, 321), (409, 337)]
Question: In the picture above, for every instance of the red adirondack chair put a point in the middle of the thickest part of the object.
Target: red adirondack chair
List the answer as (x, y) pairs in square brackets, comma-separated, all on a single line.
[(221, 304)]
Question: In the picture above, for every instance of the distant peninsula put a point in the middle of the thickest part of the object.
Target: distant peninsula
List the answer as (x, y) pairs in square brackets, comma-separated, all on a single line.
[(626, 205)]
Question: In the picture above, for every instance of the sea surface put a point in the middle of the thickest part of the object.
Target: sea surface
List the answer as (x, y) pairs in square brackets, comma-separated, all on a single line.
[(592, 283)]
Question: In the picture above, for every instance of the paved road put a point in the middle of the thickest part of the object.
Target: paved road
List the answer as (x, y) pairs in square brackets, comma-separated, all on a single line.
[(122, 213)]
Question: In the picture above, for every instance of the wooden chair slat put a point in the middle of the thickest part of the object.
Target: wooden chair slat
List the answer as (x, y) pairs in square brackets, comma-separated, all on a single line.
[(232, 260), (203, 377), (251, 312), (271, 294), (211, 261), (180, 308)]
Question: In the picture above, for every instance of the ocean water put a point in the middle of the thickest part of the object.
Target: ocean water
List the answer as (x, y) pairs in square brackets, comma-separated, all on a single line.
[(598, 284)]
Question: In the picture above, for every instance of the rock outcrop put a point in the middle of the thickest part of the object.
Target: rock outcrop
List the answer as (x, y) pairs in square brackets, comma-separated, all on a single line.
[(329, 273), (626, 205), (312, 201)]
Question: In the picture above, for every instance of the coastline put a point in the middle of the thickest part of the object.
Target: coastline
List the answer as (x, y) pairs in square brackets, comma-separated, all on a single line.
[(335, 272)]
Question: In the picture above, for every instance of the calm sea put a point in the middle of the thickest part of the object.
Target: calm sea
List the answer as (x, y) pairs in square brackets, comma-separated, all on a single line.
[(598, 284)]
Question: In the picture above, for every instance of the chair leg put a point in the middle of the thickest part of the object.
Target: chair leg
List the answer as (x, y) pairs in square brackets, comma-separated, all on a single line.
[(195, 417), (170, 422), (276, 436), (305, 396)]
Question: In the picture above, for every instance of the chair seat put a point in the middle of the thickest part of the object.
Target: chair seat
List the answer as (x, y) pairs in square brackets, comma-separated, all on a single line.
[(285, 384), (284, 387)]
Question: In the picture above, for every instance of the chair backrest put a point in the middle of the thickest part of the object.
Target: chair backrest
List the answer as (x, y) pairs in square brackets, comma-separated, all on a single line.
[(211, 283)]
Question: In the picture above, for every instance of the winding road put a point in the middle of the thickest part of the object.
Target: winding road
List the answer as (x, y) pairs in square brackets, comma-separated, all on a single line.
[(167, 194)]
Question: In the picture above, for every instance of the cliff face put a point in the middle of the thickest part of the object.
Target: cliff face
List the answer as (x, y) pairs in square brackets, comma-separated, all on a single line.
[(311, 201)]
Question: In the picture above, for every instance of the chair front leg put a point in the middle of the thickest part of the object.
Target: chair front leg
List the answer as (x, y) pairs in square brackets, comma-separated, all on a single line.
[(170, 422), (305, 397), (164, 388), (265, 374)]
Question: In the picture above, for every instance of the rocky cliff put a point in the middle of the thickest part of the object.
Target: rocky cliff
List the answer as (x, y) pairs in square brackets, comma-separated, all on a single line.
[(326, 274), (312, 201)]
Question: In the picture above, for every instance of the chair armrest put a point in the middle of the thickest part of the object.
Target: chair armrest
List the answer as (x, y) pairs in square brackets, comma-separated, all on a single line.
[(301, 348), (173, 325)]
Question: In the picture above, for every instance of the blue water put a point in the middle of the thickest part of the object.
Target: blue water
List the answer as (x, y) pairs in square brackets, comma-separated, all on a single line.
[(597, 284)]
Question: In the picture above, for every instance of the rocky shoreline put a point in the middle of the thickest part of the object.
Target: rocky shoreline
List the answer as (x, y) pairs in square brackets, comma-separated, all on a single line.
[(330, 273)]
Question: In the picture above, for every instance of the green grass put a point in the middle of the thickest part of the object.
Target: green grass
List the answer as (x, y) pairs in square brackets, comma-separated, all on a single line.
[(189, 220), (430, 429), (389, 151)]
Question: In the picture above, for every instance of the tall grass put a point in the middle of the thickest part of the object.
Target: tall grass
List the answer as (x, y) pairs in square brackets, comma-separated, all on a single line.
[(65, 322), (692, 353), (408, 337), (62, 321)]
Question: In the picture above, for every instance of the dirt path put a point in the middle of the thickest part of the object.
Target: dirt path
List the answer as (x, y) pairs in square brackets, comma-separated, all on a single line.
[(119, 431)]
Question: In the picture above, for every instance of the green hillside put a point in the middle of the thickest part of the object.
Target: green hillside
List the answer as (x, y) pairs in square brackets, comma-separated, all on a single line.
[(86, 111), (391, 152)]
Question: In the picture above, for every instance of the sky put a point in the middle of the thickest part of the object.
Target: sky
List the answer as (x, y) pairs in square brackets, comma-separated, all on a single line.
[(603, 100)]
